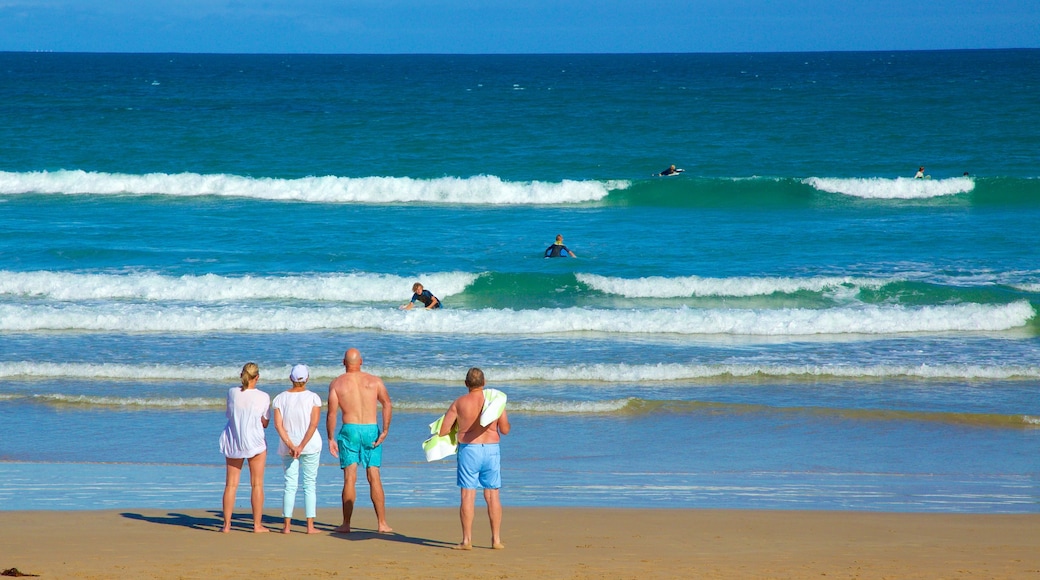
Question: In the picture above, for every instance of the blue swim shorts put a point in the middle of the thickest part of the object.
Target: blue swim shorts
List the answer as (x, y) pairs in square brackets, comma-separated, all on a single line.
[(355, 446), (479, 465)]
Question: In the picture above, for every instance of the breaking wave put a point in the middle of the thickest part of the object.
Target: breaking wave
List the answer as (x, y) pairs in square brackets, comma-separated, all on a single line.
[(480, 189), (898, 188), (686, 321)]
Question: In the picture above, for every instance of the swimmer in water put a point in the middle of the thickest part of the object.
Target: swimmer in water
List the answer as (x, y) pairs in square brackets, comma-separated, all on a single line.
[(558, 250)]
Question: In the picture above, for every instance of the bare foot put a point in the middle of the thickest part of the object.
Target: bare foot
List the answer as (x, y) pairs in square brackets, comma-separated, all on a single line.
[(286, 530), (498, 546), (385, 529), (344, 529), (226, 529), (462, 547), (260, 530), (313, 530)]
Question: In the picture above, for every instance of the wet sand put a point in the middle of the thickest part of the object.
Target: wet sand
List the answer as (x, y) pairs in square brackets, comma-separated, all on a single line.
[(540, 543)]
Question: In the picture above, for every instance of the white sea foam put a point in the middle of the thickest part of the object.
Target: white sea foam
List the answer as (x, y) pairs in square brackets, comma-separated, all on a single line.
[(898, 188), (605, 373), (530, 406), (480, 189), (690, 321), (361, 287), (116, 371), (1032, 287), (133, 402), (685, 286), (174, 403)]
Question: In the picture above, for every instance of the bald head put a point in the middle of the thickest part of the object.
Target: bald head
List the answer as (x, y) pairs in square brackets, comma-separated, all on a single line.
[(352, 358)]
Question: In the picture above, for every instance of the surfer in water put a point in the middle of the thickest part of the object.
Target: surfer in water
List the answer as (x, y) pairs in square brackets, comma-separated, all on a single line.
[(558, 250), (422, 295), (920, 173), (671, 171)]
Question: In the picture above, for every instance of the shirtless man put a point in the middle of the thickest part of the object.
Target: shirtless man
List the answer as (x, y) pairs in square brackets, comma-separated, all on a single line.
[(356, 394), (479, 461)]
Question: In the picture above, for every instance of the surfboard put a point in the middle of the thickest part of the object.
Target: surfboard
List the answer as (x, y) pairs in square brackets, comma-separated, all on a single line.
[(677, 172), (494, 405), (437, 447)]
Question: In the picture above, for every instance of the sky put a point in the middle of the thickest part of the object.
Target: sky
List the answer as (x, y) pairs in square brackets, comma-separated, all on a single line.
[(514, 26)]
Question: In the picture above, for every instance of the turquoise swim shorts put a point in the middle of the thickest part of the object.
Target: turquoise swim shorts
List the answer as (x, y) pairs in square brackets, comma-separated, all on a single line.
[(355, 444)]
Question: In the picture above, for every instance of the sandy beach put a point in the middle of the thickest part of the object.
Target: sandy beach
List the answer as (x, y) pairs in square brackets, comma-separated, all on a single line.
[(540, 543)]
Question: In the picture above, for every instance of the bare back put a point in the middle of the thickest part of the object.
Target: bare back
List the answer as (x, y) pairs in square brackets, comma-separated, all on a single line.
[(466, 410), (358, 395)]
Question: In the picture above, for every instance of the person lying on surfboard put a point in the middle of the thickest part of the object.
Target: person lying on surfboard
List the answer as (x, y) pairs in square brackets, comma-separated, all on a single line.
[(671, 171)]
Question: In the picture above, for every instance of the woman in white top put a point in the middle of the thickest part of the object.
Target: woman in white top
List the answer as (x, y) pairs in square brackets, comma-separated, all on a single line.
[(248, 413), (296, 416)]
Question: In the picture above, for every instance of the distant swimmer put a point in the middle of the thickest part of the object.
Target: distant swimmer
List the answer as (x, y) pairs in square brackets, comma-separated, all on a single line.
[(422, 295), (558, 250), (920, 173), (671, 171)]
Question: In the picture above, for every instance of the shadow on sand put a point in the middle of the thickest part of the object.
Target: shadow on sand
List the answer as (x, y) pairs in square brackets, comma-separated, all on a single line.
[(244, 522)]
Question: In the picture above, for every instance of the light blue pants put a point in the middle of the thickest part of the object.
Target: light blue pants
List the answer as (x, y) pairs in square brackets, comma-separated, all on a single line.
[(309, 461)]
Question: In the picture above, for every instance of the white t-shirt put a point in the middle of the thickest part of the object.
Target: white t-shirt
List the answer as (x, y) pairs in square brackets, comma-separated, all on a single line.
[(243, 437), (296, 411)]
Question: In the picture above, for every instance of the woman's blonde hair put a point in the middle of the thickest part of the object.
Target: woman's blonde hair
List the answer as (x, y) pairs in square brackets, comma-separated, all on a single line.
[(249, 372)]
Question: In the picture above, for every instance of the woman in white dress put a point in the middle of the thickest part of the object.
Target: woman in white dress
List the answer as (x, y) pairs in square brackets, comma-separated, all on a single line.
[(248, 413), (296, 416)]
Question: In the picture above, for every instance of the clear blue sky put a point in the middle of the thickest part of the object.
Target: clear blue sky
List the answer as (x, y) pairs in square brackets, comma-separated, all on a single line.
[(514, 26)]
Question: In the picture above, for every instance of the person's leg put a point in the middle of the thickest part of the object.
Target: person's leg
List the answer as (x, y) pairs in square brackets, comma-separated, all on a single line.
[(468, 499), (234, 474), (349, 496), (491, 480), (309, 462), (256, 482), (494, 507), (291, 466), (375, 486)]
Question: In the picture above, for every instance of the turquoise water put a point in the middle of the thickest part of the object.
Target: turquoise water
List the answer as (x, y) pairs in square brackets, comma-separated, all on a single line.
[(793, 323)]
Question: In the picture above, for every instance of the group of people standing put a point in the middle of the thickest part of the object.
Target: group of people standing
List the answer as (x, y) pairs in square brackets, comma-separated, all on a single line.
[(361, 401)]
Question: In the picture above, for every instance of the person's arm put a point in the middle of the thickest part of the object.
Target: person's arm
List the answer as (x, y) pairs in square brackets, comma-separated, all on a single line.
[(433, 303), (330, 421), (449, 421), (388, 412), (311, 429), (279, 426), (503, 423), (573, 255), (411, 304), (265, 419)]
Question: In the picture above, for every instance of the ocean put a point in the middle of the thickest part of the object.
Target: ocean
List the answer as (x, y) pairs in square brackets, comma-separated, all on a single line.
[(794, 322)]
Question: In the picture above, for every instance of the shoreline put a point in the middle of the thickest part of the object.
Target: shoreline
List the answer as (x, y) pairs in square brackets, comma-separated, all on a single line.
[(540, 543)]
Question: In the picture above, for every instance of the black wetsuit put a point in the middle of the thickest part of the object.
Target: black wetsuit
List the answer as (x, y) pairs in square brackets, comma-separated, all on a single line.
[(426, 298), (557, 251)]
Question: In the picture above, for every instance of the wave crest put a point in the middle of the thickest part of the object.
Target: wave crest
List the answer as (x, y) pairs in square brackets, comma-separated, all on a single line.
[(685, 321), (362, 287), (898, 188), (480, 189), (587, 373), (739, 286)]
